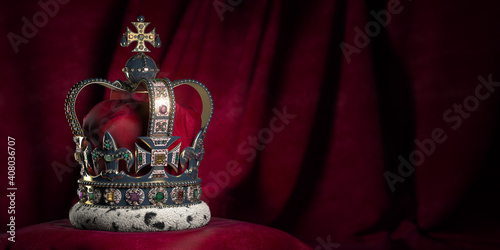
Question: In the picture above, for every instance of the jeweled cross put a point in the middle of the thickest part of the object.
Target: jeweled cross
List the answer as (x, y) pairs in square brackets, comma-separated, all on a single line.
[(140, 37), (160, 156)]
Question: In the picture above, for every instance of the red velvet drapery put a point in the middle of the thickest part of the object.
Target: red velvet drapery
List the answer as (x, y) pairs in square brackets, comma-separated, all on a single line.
[(362, 123)]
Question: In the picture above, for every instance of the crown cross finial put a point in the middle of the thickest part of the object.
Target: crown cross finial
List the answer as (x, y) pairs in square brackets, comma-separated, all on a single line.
[(140, 37)]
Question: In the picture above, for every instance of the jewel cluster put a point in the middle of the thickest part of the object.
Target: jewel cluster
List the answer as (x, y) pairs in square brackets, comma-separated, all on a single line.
[(157, 196)]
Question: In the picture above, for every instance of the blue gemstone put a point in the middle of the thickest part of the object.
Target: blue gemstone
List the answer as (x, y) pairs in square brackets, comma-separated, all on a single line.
[(123, 42), (158, 42)]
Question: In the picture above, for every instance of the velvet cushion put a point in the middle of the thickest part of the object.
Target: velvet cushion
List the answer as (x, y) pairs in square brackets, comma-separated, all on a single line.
[(218, 234)]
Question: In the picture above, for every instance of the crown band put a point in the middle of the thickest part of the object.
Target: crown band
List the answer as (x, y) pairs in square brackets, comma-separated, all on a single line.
[(139, 197), (140, 184)]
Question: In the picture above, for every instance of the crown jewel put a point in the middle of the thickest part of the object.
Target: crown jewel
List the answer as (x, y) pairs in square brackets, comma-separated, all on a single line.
[(110, 187), (140, 37), (140, 66)]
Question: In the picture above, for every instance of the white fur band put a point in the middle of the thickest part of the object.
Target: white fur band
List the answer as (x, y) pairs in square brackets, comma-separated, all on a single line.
[(139, 220)]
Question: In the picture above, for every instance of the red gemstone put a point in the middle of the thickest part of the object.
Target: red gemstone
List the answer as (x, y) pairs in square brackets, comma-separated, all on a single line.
[(180, 195), (163, 109)]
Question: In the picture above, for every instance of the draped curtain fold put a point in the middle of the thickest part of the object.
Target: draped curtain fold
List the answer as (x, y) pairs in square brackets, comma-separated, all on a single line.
[(362, 123)]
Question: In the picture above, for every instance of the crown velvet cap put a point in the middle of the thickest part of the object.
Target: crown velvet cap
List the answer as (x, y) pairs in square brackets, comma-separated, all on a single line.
[(158, 189)]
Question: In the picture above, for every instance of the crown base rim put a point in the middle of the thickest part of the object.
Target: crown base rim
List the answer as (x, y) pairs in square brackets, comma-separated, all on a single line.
[(83, 216)]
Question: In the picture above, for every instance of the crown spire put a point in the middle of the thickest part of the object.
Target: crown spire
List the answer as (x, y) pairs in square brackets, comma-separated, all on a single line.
[(140, 37), (140, 66)]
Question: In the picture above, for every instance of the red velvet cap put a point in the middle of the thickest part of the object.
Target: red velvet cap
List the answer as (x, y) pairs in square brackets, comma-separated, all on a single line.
[(126, 119)]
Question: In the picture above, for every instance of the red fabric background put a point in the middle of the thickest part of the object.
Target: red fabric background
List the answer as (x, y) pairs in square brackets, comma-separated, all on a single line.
[(320, 176)]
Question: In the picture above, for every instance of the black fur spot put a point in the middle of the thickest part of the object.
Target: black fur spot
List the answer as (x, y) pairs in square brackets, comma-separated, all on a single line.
[(115, 227), (118, 214), (205, 217), (111, 209), (83, 227), (148, 217), (159, 225), (137, 216), (189, 219), (87, 221), (93, 221)]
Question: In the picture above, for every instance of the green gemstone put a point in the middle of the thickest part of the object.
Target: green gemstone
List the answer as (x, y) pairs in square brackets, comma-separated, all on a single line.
[(91, 196), (140, 158), (195, 193), (108, 158), (159, 196), (106, 145), (125, 155)]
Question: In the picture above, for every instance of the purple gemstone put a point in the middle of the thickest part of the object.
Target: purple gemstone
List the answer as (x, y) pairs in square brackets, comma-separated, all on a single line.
[(163, 109), (80, 194), (134, 197)]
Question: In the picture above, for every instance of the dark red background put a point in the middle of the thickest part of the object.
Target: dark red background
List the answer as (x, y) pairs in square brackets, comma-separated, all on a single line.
[(320, 177)]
